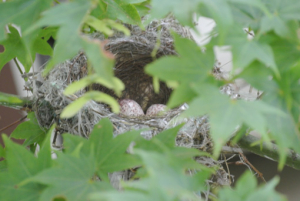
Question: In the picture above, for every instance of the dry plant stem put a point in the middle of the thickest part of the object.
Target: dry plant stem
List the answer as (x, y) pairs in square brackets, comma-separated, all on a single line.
[(227, 169), (27, 75), (260, 175), (293, 158), (16, 122)]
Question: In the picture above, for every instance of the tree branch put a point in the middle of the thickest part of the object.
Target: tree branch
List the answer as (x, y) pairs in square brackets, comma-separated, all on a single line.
[(269, 152), (293, 158)]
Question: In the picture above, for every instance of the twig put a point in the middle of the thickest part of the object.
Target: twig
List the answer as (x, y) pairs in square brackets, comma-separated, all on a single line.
[(260, 175), (269, 152), (26, 75), (231, 150), (230, 182), (18, 121)]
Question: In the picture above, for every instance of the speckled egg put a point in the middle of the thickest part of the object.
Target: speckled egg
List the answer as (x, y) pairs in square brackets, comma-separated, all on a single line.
[(130, 108), (155, 109)]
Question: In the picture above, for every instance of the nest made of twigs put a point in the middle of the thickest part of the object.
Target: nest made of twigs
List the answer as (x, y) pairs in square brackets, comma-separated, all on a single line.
[(132, 53)]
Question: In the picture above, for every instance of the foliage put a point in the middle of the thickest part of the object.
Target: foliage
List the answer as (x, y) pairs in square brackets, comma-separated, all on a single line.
[(269, 61), (246, 189)]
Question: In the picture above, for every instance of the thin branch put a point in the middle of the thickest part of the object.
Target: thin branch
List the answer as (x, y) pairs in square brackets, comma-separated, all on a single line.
[(230, 182), (16, 122), (269, 152), (260, 175)]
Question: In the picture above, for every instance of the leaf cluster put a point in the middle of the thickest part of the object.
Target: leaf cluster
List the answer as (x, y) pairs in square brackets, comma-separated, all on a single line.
[(80, 171), (263, 38)]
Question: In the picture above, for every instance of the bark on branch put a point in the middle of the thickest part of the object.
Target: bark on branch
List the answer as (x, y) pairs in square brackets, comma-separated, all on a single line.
[(269, 152)]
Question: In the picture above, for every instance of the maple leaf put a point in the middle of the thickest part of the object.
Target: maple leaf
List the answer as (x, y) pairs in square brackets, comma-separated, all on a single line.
[(21, 166)]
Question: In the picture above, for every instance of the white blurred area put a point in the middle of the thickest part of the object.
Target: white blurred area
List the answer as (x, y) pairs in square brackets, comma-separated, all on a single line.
[(223, 55), (20, 82)]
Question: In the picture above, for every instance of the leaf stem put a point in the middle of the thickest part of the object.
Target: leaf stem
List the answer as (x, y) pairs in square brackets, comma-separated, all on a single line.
[(17, 64), (15, 102), (56, 1)]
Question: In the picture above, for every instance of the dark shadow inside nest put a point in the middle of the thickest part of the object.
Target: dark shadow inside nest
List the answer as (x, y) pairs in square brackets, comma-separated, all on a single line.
[(133, 53), (129, 68)]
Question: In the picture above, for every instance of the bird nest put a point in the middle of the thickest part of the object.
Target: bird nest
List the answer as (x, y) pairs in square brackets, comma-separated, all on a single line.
[(130, 52)]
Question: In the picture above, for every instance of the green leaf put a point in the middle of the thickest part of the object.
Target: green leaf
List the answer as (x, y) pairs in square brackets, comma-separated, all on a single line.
[(110, 153), (165, 142), (220, 11), (254, 3), (78, 104), (3, 167), (105, 24), (282, 13), (226, 114), (165, 180), (258, 76), (277, 24), (1, 151), (131, 1), (71, 142), (29, 130), (279, 46), (117, 26), (99, 25), (117, 195), (72, 179), (22, 13), (88, 80), (69, 17), (20, 48), (143, 8), (22, 166), (14, 47), (284, 129), (191, 65), (246, 189), (122, 10), (6, 99), (166, 177), (282, 94), (246, 51), (182, 94), (182, 10), (159, 142), (102, 64), (40, 44), (44, 155)]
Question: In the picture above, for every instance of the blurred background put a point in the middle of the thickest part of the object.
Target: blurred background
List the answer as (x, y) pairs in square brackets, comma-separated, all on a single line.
[(11, 82)]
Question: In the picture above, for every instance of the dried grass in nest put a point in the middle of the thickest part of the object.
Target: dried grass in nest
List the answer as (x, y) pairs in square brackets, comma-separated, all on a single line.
[(50, 100)]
